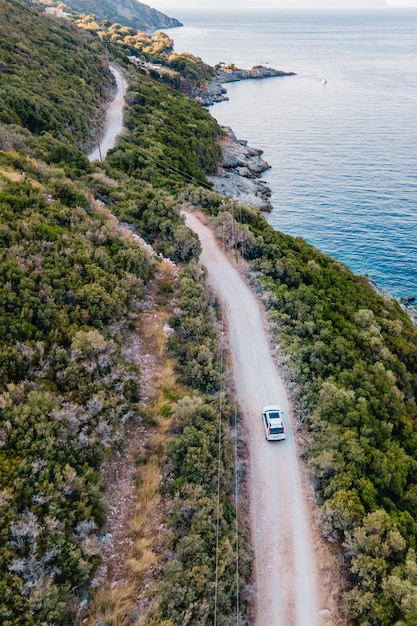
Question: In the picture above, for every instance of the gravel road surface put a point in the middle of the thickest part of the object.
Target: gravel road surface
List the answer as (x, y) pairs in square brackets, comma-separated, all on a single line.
[(287, 585), (113, 124)]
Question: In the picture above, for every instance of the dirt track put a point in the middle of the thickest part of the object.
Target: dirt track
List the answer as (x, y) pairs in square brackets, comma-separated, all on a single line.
[(113, 123), (287, 583)]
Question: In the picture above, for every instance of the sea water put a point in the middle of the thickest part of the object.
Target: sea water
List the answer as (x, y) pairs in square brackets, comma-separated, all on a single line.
[(340, 136)]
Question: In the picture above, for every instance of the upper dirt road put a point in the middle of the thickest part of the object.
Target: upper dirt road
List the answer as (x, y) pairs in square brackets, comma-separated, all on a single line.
[(113, 123), (287, 587)]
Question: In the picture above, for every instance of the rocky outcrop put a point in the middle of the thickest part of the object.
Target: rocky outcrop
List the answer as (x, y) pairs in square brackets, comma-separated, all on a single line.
[(214, 91), (230, 74), (126, 12), (239, 171)]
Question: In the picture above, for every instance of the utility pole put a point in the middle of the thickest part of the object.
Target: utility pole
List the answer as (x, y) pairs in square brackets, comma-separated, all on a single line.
[(98, 143), (234, 230)]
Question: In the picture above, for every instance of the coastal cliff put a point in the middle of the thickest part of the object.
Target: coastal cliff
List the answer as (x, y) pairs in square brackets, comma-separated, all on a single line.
[(241, 166), (127, 13), (238, 172)]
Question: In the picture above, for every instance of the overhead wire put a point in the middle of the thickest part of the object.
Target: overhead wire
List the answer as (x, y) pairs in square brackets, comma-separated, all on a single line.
[(237, 522), (219, 456), (166, 166), (219, 472), (192, 179)]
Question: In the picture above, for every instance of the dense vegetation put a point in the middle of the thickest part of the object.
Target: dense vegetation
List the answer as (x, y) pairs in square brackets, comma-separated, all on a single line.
[(201, 583), (167, 150), (184, 71), (155, 47), (72, 289), (353, 354), (51, 80)]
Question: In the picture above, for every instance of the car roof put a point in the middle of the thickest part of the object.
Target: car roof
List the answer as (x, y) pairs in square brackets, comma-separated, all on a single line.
[(271, 407)]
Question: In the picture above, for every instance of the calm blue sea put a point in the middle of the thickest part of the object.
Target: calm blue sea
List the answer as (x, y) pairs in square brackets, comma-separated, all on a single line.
[(344, 153)]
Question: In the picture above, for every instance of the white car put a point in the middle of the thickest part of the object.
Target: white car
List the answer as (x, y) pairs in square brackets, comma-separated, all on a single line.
[(273, 424)]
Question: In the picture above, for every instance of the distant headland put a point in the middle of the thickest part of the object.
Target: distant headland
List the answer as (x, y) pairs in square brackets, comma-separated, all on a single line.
[(213, 91)]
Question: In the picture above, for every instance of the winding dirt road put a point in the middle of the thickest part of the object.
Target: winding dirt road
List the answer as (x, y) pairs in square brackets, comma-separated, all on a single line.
[(113, 123), (287, 583)]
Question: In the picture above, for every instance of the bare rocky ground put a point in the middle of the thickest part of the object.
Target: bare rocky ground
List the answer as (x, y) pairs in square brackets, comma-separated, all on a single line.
[(121, 471), (238, 174), (213, 91)]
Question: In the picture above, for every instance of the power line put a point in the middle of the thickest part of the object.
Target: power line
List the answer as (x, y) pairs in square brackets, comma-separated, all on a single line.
[(237, 523), (218, 472), (197, 182), (192, 179), (167, 166), (98, 144)]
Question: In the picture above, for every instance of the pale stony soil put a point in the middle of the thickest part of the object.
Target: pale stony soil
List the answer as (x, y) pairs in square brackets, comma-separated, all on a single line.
[(113, 124), (121, 471)]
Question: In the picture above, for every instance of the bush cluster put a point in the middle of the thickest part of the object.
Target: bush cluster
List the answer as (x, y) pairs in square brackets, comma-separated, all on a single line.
[(192, 69), (195, 343), (206, 574), (70, 287), (151, 211), (172, 141), (51, 80)]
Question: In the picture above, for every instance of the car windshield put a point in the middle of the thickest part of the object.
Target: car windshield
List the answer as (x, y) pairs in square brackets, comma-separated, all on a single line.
[(274, 415)]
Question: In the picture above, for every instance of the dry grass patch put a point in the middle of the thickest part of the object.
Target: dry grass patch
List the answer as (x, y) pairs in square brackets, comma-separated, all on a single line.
[(113, 606), (147, 526), (18, 177), (142, 559)]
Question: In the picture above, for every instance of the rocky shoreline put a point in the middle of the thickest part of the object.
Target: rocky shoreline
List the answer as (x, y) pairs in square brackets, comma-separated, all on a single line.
[(407, 304), (213, 91), (238, 173), (238, 177)]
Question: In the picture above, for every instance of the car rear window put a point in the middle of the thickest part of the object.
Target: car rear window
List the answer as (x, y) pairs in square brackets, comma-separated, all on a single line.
[(276, 431), (274, 415)]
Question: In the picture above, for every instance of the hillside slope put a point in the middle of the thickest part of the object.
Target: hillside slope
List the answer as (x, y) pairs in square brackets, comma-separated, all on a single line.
[(72, 299), (126, 12), (71, 369), (51, 78)]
